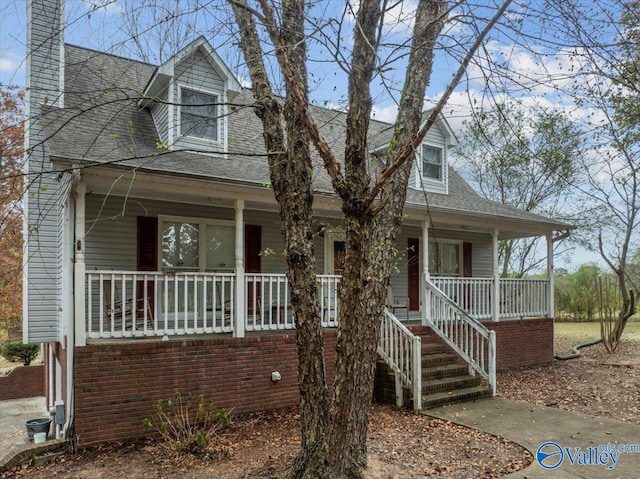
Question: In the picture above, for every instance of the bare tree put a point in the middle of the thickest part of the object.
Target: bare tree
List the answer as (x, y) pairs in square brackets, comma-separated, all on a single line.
[(522, 157), (335, 421), (608, 85)]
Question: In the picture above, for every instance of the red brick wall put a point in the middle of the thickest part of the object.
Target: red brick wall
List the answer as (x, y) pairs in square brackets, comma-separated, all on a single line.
[(23, 382), (118, 385), (522, 342), (526, 342)]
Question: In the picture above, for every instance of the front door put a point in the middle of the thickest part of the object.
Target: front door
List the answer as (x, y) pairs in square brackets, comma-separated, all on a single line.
[(253, 264), (413, 259)]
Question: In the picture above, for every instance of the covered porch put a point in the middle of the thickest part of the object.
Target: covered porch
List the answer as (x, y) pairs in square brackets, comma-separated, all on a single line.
[(132, 281)]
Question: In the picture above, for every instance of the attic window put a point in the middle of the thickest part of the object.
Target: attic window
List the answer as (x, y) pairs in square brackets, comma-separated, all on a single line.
[(431, 163), (199, 114)]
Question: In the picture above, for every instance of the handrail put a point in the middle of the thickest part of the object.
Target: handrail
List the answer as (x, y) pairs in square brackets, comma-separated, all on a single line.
[(464, 334), (401, 350)]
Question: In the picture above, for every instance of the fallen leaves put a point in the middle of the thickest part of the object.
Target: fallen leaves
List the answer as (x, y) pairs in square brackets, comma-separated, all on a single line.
[(597, 383)]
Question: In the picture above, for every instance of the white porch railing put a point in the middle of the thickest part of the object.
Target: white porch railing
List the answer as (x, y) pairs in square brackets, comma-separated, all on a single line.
[(523, 298), (123, 304), (518, 298), (471, 294), (401, 350), (464, 334), (268, 306), (134, 304)]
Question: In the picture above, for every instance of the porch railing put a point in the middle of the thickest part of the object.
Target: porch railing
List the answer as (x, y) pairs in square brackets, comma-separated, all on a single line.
[(522, 298), (268, 306), (471, 294), (517, 298), (133, 304), (401, 350), (464, 334), (124, 304)]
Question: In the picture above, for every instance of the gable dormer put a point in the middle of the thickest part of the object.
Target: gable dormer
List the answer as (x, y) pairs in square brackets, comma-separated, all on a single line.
[(188, 96), (430, 171)]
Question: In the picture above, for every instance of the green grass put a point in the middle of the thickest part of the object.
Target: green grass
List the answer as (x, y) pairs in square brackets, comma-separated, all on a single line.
[(591, 330)]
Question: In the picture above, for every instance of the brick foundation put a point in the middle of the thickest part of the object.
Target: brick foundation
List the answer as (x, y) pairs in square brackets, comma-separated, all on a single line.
[(526, 342), (23, 382), (117, 385)]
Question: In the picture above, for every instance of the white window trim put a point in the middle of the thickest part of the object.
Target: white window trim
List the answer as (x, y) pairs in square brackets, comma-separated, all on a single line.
[(423, 183), (432, 247), (221, 101), (202, 236)]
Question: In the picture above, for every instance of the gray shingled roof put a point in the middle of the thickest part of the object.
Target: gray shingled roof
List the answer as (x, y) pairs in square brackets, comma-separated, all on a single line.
[(103, 124)]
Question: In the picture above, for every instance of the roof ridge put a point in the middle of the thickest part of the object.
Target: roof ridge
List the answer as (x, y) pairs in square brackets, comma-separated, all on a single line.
[(100, 52)]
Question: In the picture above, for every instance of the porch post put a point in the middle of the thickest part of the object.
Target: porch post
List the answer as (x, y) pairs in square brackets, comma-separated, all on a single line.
[(79, 266), (238, 330), (496, 278), (426, 296), (550, 282)]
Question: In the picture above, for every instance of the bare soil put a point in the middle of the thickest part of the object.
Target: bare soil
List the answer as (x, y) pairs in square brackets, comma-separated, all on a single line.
[(401, 444)]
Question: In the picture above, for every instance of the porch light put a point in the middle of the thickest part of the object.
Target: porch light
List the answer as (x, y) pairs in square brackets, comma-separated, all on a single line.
[(275, 376)]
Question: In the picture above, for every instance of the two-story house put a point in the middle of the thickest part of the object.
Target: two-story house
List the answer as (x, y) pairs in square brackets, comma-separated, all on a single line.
[(154, 254)]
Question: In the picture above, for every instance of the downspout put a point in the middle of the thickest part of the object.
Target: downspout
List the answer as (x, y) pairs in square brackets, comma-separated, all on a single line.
[(78, 281)]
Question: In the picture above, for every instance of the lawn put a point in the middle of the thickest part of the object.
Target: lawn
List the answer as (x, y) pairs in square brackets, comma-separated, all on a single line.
[(585, 331)]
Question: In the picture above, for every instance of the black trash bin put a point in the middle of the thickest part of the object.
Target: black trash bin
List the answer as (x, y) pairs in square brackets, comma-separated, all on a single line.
[(35, 426)]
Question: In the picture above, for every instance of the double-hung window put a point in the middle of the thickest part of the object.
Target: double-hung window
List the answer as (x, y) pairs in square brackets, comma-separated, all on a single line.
[(199, 114), (197, 245), (432, 163), (445, 258)]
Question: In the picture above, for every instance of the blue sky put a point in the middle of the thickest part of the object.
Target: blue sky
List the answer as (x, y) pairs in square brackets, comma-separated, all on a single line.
[(529, 59)]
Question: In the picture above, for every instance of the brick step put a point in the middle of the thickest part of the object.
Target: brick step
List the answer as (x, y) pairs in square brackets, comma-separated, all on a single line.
[(450, 383), (456, 395), (433, 348), (444, 371), (437, 359)]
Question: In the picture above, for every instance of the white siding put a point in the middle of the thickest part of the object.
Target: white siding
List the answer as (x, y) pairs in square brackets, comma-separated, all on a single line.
[(111, 237), (195, 72), (160, 114), (434, 137), (41, 200)]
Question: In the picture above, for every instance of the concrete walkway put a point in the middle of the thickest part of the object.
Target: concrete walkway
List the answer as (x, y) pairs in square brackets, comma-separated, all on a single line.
[(13, 432), (531, 426)]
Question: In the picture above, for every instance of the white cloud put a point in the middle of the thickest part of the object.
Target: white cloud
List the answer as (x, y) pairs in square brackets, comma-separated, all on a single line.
[(8, 65), (387, 113)]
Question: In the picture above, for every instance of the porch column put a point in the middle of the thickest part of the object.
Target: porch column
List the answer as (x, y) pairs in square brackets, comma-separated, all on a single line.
[(496, 278), (426, 296), (550, 283), (79, 267), (238, 330)]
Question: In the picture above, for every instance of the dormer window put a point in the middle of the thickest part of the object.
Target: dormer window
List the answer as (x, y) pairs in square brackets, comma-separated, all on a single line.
[(432, 163), (199, 114)]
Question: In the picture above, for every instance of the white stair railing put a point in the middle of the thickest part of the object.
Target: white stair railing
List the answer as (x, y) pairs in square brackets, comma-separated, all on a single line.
[(401, 350), (465, 335)]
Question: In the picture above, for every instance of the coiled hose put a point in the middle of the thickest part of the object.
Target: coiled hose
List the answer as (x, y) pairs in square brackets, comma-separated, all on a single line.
[(576, 350)]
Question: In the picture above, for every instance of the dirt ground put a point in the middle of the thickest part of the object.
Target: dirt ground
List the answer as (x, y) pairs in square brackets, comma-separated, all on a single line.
[(401, 444)]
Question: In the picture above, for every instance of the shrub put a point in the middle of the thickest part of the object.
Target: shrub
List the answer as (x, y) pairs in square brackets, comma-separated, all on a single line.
[(188, 425), (15, 351)]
